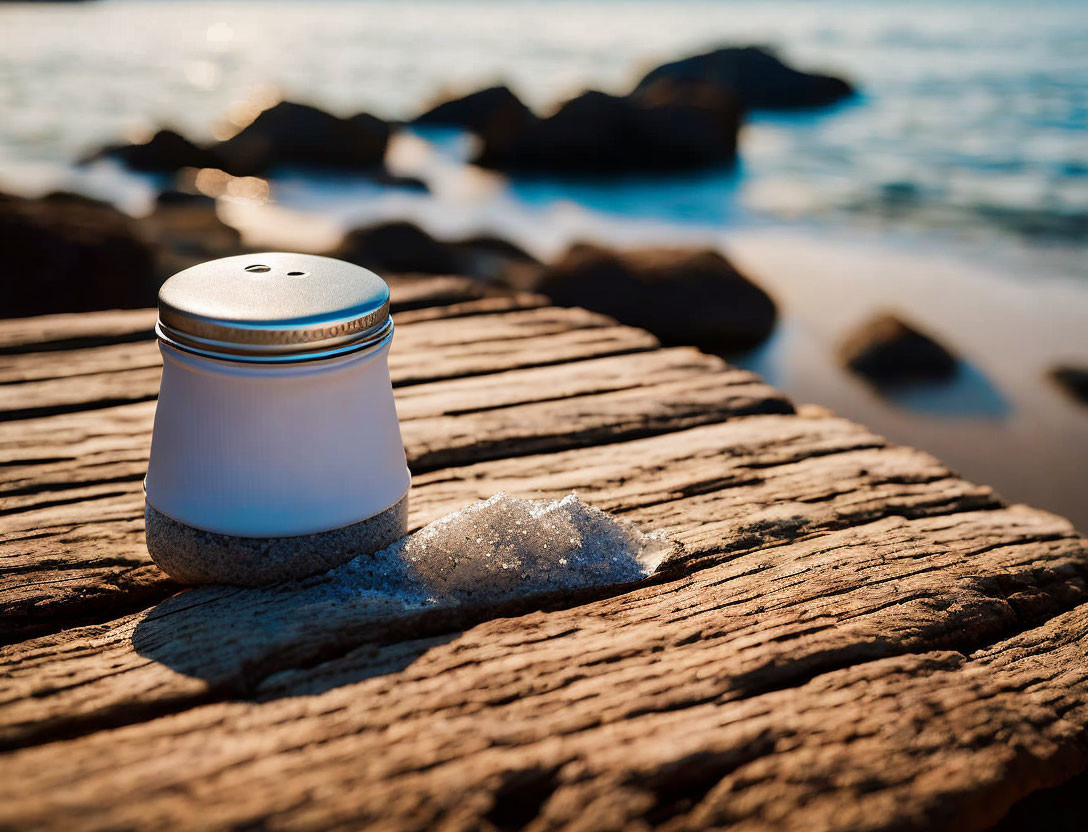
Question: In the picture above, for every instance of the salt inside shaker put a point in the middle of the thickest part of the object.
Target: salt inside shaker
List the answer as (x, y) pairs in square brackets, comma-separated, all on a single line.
[(276, 450)]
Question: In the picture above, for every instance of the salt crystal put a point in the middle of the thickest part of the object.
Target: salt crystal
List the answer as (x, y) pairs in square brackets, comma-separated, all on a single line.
[(504, 548)]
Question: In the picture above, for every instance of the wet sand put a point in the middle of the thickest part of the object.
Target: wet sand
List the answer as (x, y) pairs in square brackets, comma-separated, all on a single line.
[(1001, 421)]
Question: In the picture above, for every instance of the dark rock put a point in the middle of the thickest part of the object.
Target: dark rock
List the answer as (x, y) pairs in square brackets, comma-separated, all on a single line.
[(498, 246), (71, 198), (888, 351), (393, 180), (682, 296), (756, 77), (668, 127), (71, 254), (399, 247), (167, 199), (1073, 380), (496, 260), (477, 111), (403, 248), (185, 229), (165, 152), (297, 134)]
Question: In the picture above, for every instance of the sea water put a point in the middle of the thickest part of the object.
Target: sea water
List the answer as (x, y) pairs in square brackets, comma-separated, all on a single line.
[(970, 122)]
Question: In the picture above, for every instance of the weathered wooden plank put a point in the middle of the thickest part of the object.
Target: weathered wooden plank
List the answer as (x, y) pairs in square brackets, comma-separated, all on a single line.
[(667, 702), (62, 364), (545, 408), (425, 349), (55, 552), (72, 395), (123, 339), (47, 333), (607, 400), (54, 363), (53, 332), (827, 473), (853, 637), (458, 350), (90, 458)]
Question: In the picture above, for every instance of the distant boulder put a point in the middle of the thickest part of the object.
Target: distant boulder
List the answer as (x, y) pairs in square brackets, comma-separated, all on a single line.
[(683, 296), (758, 79), (669, 127), (401, 247), (497, 260), (497, 246), (286, 134), (396, 180), (185, 229), (888, 351), (291, 134), (398, 247), (165, 152), (73, 198), (1072, 380), (477, 111), (67, 253)]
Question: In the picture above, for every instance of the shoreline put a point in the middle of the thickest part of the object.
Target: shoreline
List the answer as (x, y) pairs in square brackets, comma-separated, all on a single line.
[(1001, 421)]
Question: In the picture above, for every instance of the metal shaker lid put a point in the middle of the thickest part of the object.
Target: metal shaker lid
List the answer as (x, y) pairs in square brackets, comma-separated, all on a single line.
[(274, 307)]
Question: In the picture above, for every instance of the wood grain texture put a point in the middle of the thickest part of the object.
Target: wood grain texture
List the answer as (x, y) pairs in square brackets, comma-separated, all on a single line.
[(852, 637), (54, 559), (48, 333), (813, 454)]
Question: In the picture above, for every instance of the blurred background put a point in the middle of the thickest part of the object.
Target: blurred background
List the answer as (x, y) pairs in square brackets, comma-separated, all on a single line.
[(882, 208)]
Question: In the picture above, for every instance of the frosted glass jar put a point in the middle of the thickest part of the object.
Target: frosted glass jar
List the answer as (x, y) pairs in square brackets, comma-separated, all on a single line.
[(276, 450)]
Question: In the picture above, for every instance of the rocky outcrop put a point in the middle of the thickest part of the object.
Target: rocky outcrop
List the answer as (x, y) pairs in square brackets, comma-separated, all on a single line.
[(290, 134), (682, 296), (477, 111), (68, 253), (1073, 381), (405, 248), (758, 79), (397, 247), (165, 152), (496, 260), (888, 351), (665, 127), (287, 134), (185, 230)]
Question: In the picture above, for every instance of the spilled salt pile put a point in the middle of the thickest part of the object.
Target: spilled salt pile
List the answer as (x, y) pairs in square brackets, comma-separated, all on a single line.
[(504, 548)]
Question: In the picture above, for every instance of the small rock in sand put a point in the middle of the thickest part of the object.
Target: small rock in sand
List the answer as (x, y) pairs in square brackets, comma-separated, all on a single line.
[(888, 351), (1073, 380)]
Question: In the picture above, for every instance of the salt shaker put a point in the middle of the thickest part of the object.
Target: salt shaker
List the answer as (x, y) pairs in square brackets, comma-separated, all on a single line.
[(276, 451)]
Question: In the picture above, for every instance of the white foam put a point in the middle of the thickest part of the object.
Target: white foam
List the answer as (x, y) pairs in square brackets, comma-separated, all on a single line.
[(504, 548)]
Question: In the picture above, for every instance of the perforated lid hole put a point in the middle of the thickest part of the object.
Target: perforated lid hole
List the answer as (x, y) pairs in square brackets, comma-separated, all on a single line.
[(258, 268)]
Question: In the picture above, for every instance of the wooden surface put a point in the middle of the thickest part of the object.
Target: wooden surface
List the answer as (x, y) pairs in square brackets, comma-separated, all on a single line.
[(853, 637)]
